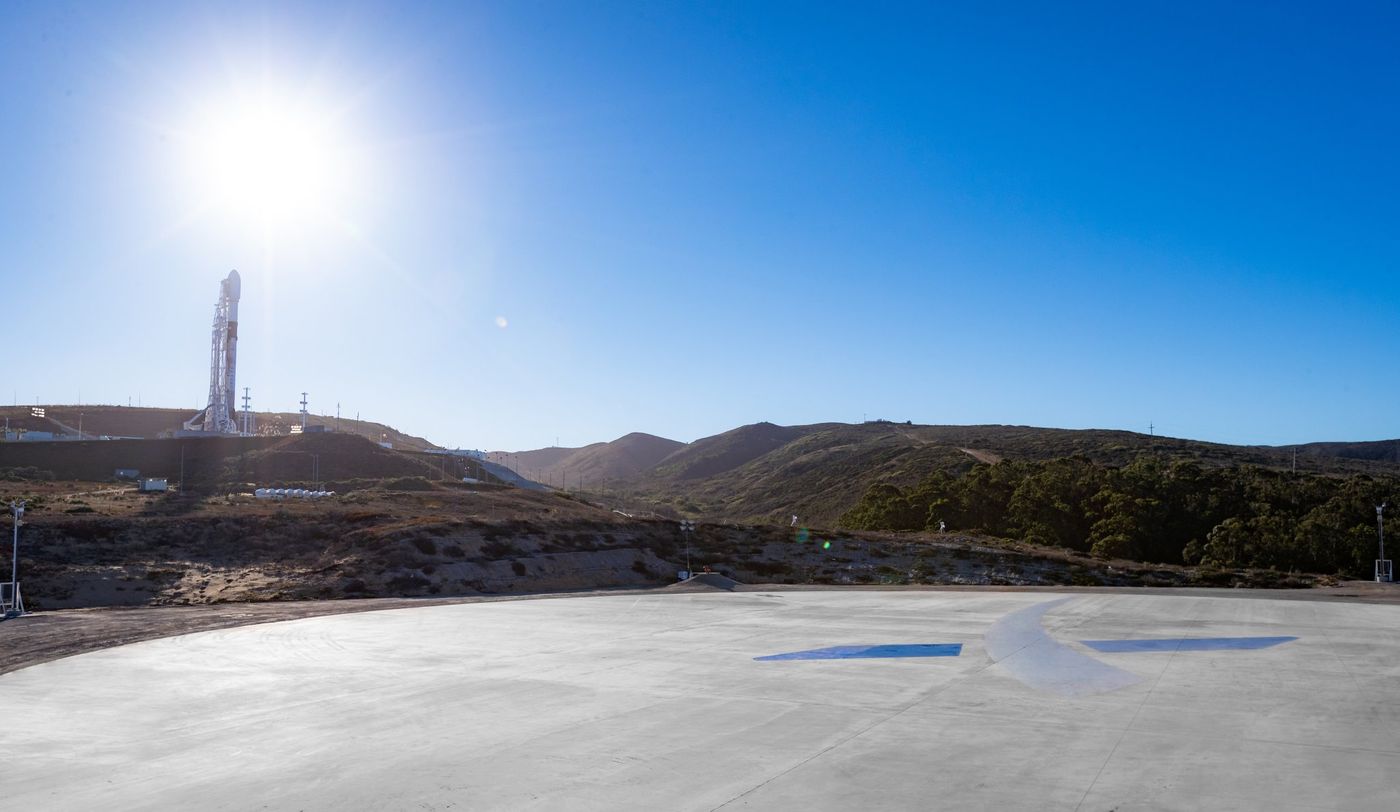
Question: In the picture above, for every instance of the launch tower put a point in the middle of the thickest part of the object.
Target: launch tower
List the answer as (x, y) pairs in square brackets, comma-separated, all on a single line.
[(217, 417)]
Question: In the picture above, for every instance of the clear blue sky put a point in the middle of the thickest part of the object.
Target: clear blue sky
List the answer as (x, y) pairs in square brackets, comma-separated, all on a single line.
[(692, 217)]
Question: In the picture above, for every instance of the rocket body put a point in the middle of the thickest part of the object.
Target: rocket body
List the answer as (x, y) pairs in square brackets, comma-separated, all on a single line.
[(231, 290)]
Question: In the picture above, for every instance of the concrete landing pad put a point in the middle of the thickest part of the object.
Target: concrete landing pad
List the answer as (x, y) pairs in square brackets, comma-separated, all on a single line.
[(664, 701)]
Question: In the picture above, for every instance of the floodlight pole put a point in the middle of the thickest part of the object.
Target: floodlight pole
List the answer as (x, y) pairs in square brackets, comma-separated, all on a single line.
[(687, 527), (18, 508), (1380, 531)]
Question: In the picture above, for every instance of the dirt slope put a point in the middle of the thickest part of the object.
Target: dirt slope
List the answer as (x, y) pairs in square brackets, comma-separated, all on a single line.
[(89, 545)]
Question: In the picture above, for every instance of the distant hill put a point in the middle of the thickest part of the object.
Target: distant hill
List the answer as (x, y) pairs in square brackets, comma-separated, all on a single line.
[(1375, 451), (623, 459), (150, 422), (715, 455), (759, 472), (766, 472)]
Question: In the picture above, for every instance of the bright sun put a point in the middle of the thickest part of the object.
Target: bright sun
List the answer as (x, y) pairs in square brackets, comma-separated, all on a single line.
[(268, 159)]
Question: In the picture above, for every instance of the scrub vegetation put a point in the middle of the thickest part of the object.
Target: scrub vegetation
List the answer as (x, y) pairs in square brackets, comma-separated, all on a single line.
[(1152, 509)]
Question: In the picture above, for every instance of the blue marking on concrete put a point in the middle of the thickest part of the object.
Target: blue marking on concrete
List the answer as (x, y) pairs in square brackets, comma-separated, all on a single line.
[(1020, 647), (892, 650), (1187, 644)]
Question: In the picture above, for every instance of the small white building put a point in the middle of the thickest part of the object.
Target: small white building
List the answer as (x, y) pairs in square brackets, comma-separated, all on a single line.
[(153, 486)]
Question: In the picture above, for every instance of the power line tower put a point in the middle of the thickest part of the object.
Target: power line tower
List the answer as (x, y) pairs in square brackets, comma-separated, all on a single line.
[(303, 412), (247, 414)]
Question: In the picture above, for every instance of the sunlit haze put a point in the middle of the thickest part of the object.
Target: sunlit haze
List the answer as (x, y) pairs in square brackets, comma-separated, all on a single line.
[(499, 224), (270, 159)]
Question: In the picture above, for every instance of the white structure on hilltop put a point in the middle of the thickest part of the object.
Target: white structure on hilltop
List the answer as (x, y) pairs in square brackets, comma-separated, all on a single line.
[(217, 417)]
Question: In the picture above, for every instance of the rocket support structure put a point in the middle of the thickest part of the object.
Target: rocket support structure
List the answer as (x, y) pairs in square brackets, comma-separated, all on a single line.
[(218, 416)]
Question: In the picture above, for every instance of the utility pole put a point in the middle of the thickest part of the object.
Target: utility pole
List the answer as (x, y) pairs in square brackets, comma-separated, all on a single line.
[(303, 412)]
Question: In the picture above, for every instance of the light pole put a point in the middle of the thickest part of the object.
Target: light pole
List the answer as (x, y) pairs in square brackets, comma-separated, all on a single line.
[(1382, 571), (687, 527), (16, 605)]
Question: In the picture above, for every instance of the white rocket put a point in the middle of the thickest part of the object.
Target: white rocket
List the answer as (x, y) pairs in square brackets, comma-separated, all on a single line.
[(217, 417)]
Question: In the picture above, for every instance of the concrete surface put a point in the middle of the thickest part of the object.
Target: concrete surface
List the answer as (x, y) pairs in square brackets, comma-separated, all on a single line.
[(656, 702)]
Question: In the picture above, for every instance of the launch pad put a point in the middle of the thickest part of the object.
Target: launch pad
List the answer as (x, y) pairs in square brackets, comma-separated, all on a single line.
[(955, 700)]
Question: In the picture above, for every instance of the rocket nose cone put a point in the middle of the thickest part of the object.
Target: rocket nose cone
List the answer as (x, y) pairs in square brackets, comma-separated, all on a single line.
[(234, 285)]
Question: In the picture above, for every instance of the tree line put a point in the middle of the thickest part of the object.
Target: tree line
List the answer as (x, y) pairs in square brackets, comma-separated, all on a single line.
[(1153, 509)]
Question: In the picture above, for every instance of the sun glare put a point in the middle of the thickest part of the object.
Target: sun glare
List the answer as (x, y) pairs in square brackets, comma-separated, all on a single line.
[(274, 161)]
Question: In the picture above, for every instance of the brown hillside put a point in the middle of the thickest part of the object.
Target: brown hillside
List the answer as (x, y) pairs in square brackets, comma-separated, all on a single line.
[(208, 460), (622, 459), (150, 423), (767, 473), (724, 452), (87, 545), (542, 460), (99, 421)]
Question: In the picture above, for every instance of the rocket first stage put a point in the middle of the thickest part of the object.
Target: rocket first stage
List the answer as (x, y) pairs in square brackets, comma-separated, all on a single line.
[(217, 417)]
